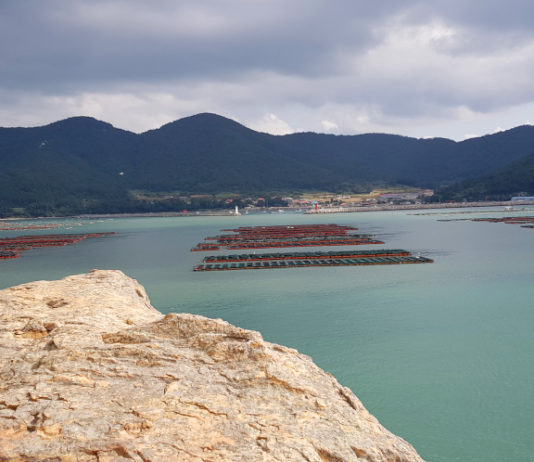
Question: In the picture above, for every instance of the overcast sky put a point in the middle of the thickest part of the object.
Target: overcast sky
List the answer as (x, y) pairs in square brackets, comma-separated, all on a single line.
[(423, 68)]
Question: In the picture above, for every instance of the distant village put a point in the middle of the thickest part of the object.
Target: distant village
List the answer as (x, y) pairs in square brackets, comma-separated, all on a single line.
[(237, 204), (314, 201), (317, 200), (376, 197)]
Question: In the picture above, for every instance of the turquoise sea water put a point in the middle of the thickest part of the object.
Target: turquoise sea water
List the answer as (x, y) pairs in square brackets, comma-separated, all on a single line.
[(442, 353)]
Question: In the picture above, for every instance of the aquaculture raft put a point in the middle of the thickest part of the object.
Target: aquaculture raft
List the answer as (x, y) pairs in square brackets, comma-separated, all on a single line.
[(524, 222), (508, 220), (305, 255), (311, 262), (5, 254), (10, 247), (22, 227), (267, 237)]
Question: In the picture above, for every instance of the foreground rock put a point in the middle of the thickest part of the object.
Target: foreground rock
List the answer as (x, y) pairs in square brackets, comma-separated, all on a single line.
[(90, 371)]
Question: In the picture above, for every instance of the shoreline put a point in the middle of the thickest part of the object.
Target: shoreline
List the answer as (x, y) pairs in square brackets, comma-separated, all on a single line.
[(307, 211), (394, 207)]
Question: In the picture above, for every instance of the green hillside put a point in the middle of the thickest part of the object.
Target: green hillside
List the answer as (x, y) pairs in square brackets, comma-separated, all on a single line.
[(82, 165), (514, 180)]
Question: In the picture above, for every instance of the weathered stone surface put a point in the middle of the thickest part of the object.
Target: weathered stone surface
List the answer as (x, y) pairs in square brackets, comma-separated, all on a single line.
[(90, 371)]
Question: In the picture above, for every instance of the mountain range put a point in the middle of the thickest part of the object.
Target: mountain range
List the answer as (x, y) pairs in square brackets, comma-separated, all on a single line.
[(82, 165)]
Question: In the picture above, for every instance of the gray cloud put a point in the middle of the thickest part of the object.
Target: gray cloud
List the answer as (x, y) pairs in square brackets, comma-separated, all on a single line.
[(403, 66), (73, 42)]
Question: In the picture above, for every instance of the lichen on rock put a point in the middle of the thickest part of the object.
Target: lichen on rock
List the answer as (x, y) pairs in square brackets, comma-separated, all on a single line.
[(90, 371)]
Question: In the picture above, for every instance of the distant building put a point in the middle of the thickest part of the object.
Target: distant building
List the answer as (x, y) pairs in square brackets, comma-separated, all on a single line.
[(523, 199)]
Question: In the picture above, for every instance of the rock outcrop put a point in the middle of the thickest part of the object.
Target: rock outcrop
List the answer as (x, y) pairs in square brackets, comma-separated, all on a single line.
[(90, 371)]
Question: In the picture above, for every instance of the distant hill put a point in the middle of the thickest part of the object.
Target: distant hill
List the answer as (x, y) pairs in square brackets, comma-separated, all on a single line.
[(514, 180), (209, 153), (64, 166), (82, 165)]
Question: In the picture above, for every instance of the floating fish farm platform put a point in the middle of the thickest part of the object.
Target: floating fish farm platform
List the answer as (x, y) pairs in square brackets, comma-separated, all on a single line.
[(268, 237), (305, 256), (508, 220), (20, 227), (290, 228), (5, 254), (311, 262), (524, 222), (10, 247)]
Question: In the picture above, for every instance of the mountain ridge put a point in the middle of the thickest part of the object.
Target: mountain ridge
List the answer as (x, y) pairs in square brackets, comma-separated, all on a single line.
[(214, 116), (85, 165)]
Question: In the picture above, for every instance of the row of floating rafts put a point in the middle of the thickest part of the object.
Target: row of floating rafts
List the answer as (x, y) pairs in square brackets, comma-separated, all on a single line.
[(5, 254), (296, 239), (298, 236), (48, 240), (27, 243), (19, 227), (306, 243), (276, 244), (277, 227), (265, 237), (289, 228), (270, 264), (305, 255), (11, 246), (524, 222), (238, 237), (284, 231), (230, 239), (509, 220), (291, 231), (203, 246)]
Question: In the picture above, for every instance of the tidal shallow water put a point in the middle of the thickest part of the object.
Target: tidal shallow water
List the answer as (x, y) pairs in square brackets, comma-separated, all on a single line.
[(442, 354)]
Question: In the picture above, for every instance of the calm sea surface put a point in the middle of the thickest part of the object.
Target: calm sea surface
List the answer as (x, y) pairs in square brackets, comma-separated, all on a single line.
[(442, 353)]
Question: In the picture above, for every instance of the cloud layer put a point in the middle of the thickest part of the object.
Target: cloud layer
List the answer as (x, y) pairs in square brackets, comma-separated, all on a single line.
[(420, 68)]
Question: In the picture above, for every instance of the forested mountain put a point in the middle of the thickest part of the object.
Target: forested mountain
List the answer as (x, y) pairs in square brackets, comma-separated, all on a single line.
[(514, 180), (209, 153), (81, 165)]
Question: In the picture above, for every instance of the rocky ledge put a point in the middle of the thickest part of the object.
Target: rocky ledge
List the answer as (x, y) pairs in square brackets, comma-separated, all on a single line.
[(90, 371)]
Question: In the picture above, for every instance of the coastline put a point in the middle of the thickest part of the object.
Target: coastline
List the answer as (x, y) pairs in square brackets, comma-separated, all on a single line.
[(447, 205), (305, 210)]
